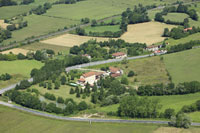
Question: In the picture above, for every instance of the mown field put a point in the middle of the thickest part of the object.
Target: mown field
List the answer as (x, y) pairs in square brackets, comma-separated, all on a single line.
[(176, 17), (19, 69), (16, 121), (183, 66), (39, 46)]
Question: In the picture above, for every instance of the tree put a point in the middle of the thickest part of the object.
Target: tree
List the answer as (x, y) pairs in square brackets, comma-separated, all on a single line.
[(34, 71), (166, 32), (20, 56), (131, 73), (94, 88), (180, 120), (49, 85), (198, 104), (57, 84), (63, 80), (82, 106), (23, 84), (38, 55), (80, 31), (71, 91), (70, 108), (94, 23), (159, 17), (124, 80), (60, 100), (169, 113), (94, 98)]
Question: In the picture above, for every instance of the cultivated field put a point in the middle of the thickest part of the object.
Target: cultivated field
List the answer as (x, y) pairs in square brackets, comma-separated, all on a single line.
[(184, 66), (39, 46), (19, 69), (14, 121), (150, 32), (102, 28), (70, 40), (16, 51)]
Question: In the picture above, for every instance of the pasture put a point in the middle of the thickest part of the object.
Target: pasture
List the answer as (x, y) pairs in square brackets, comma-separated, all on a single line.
[(39, 25), (3, 25), (101, 29), (184, 66), (19, 69), (14, 121), (176, 17), (16, 51)]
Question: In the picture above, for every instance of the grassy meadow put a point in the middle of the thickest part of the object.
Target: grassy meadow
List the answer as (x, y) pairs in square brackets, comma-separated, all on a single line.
[(176, 17), (14, 121), (101, 29), (183, 66), (19, 69)]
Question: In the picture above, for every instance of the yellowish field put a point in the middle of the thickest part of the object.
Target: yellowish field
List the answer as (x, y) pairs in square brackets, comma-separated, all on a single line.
[(70, 40), (16, 51), (3, 25), (149, 33), (176, 130)]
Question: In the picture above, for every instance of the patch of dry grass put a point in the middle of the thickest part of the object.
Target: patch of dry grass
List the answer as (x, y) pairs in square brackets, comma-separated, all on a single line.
[(16, 51), (3, 25)]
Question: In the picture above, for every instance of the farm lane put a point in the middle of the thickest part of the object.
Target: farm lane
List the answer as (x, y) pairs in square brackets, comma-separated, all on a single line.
[(83, 119), (73, 28)]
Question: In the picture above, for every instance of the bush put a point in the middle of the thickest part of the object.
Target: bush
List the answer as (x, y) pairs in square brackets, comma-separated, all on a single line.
[(131, 74), (50, 96), (60, 100), (169, 113), (82, 106)]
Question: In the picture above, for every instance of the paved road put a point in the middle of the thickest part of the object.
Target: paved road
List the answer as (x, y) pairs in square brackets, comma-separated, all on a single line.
[(83, 119)]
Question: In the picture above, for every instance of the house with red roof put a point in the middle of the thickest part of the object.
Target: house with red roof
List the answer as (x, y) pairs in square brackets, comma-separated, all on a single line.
[(187, 29), (119, 55), (90, 77), (87, 55), (115, 72)]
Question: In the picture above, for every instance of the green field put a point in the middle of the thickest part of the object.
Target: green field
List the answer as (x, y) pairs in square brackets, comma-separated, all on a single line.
[(176, 17), (101, 29), (189, 38), (149, 70), (184, 66), (16, 121), (39, 25), (19, 69), (39, 46)]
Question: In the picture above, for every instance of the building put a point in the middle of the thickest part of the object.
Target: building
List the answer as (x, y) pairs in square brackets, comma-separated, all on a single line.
[(87, 55), (119, 55), (154, 47), (187, 29), (115, 72), (90, 77)]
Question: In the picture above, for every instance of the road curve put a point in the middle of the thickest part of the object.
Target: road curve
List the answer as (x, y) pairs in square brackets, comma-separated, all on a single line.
[(83, 119)]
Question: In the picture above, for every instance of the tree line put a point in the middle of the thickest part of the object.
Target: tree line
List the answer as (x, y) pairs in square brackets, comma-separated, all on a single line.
[(170, 89), (7, 3), (41, 9), (5, 77)]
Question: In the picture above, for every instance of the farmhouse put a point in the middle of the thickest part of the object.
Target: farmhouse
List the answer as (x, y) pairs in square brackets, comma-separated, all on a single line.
[(119, 55), (115, 72), (153, 47), (87, 55), (90, 77), (187, 29)]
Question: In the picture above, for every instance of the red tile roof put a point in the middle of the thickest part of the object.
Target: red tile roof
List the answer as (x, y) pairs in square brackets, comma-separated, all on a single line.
[(115, 75), (81, 80), (186, 29), (118, 54), (88, 74), (152, 46), (113, 69)]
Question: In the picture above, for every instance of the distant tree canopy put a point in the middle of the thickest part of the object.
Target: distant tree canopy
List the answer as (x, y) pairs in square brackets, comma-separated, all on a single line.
[(7, 3), (4, 34), (26, 2), (41, 9), (68, 1)]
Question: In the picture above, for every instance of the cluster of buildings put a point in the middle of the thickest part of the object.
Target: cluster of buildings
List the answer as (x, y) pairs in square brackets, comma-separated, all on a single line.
[(92, 77), (156, 49)]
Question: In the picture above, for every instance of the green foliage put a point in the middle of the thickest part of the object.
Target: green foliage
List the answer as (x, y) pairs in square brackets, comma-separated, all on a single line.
[(24, 84), (57, 84), (71, 91), (180, 121), (60, 100), (50, 96), (4, 34), (169, 113), (135, 107), (5, 77), (82, 106), (124, 80), (7, 3), (131, 73)]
